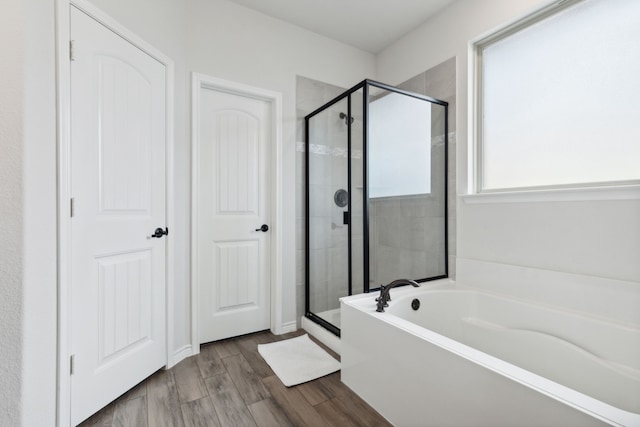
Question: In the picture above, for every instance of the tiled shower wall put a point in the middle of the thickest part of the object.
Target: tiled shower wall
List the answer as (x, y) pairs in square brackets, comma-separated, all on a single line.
[(394, 250), (399, 226)]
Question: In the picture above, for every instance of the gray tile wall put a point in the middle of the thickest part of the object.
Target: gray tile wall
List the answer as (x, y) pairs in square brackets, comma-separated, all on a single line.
[(400, 226)]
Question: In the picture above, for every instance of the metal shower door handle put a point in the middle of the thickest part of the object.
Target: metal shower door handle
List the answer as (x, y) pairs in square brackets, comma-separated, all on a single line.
[(264, 228)]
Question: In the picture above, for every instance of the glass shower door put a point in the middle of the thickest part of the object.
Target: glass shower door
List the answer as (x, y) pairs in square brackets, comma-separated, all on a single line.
[(328, 211), (376, 171)]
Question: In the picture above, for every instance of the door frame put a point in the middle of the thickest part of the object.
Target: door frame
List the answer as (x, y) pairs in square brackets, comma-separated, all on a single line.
[(63, 107), (199, 82)]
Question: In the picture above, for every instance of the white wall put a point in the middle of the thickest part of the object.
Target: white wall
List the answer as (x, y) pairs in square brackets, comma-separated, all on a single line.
[(11, 209), (598, 238), (207, 36), (40, 165)]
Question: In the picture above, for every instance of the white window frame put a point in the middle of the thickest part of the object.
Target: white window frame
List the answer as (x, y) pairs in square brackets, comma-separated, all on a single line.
[(476, 194)]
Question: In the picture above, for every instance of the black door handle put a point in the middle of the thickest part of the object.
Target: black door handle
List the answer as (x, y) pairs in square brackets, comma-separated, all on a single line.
[(160, 232), (264, 228)]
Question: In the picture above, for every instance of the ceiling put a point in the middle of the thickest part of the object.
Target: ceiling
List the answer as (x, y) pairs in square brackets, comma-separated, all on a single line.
[(370, 25)]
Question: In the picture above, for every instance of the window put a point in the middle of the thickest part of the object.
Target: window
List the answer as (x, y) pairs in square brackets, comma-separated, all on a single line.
[(558, 99), (399, 146)]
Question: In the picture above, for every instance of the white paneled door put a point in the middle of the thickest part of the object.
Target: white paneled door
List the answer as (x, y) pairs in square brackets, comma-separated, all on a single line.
[(118, 144), (233, 235)]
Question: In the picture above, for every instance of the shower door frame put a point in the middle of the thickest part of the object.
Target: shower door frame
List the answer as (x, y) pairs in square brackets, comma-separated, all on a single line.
[(364, 85)]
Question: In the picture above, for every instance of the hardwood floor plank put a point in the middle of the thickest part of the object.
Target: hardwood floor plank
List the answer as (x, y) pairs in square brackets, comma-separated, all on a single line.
[(315, 392), (249, 349), (247, 382), (102, 418), (335, 416), (189, 383), (226, 348), (163, 401), (200, 413), (138, 390), (351, 400), (180, 396), (293, 404), (227, 401), (131, 413), (290, 335), (160, 380), (209, 361), (267, 413), (332, 383), (263, 337), (359, 411)]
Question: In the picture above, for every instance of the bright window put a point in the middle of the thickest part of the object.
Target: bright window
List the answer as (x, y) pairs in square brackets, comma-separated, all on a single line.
[(399, 146), (558, 101)]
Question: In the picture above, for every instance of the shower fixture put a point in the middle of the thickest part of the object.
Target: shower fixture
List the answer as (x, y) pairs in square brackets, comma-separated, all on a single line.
[(341, 198), (344, 116)]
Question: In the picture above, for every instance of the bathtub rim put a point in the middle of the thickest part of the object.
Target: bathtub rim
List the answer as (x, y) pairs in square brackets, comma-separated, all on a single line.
[(570, 397)]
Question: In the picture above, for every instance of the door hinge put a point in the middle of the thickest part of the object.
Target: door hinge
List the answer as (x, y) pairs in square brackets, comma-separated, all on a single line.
[(72, 360), (72, 208), (71, 50)]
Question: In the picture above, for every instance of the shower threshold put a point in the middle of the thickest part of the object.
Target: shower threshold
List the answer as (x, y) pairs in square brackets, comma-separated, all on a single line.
[(331, 316)]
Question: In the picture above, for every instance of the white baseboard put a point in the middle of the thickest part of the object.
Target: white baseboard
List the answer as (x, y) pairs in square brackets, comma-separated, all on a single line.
[(288, 327), (179, 355), (285, 328)]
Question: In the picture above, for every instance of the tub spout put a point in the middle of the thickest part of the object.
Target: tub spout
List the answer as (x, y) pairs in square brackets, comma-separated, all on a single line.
[(385, 297)]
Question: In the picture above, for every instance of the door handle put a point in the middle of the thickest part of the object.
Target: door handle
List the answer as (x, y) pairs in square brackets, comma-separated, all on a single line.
[(159, 233), (264, 228)]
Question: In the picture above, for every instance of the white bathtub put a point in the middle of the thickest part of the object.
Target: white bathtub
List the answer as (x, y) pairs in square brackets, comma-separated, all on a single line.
[(467, 357)]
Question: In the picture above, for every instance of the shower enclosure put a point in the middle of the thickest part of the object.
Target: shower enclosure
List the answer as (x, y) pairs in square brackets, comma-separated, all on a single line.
[(376, 205)]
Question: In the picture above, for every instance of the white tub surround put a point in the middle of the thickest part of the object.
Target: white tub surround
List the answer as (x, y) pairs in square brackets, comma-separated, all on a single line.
[(616, 300), (468, 357)]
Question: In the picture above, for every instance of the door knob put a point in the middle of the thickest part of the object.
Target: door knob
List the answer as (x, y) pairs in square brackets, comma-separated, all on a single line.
[(264, 228), (160, 232)]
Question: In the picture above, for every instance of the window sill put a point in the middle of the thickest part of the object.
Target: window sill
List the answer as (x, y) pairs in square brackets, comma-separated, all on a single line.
[(621, 192)]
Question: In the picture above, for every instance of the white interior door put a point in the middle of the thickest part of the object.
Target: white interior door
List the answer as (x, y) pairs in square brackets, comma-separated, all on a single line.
[(118, 277), (232, 203)]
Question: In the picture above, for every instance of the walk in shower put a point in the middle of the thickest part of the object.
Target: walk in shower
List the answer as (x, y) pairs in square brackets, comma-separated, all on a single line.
[(376, 195)]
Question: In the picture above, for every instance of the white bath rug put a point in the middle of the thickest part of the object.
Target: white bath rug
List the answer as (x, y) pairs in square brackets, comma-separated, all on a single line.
[(298, 360)]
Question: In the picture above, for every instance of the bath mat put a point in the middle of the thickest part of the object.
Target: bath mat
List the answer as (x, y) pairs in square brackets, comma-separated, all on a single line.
[(298, 360)]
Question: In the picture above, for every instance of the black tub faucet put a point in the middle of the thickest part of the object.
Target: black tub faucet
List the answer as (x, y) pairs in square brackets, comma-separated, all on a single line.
[(384, 297)]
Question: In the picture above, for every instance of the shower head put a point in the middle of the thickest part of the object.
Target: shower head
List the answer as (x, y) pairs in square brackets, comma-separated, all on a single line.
[(344, 116)]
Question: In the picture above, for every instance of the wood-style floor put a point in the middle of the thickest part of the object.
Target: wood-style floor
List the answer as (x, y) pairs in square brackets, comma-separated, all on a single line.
[(229, 384)]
